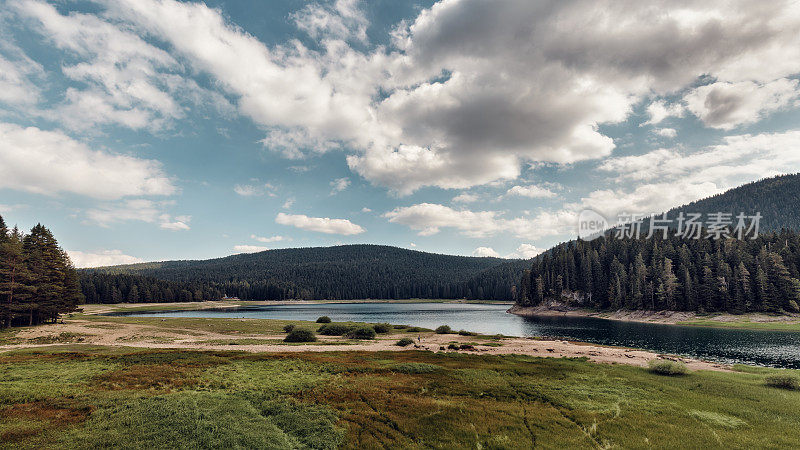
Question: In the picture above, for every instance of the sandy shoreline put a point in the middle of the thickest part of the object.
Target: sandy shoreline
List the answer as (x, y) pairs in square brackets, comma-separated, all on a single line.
[(663, 317), (154, 336)]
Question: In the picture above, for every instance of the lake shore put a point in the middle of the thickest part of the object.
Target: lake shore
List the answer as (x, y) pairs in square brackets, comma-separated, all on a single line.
[(265, 335), (787, 322)]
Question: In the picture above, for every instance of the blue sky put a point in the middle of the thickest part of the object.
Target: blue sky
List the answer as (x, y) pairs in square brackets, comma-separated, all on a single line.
[(143, 130)]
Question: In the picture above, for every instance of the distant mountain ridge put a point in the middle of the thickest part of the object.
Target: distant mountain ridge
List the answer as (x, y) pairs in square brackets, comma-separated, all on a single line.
[(341, 272)]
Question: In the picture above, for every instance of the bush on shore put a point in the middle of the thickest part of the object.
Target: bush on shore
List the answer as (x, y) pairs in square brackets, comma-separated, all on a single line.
[(364, 332), (467, 333), (288, 328), (404, 342), (668, 368), (783, 381), (382, 327), (300, 335), (444, 329), (336, 329), (324, 319)]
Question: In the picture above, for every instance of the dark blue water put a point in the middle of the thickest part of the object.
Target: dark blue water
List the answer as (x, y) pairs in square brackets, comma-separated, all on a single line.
[(767, 348)]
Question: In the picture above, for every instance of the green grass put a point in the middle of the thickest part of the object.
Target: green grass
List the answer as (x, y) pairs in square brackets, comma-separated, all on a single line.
[(79, 396)]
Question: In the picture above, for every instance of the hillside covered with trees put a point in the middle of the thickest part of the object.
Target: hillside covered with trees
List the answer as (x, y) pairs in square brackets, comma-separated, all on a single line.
[(37, 280), (674, 274), (344, 272)]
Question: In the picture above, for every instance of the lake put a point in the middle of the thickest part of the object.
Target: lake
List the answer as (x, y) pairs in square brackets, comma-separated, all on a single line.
[(755, 347)]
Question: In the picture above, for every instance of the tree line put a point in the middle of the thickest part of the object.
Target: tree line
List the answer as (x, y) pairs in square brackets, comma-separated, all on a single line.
[(37, 279), (343, 272), (729, 275)]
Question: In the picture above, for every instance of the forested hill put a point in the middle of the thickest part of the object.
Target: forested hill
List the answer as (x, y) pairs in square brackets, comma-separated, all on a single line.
[(777, 199), (341, 272), (673, 274), (685, 274)]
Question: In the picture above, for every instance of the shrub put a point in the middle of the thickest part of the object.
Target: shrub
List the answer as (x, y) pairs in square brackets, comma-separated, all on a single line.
[(467, 333), (783, 381), (382, 327), (324, 319), (443, 329), (288, 328), (404, 342), (669, 368), (400, 327), (413, 329), (412, 367), (793, 306), (453, 346), (300, 335), (362, 333), (336, 329)]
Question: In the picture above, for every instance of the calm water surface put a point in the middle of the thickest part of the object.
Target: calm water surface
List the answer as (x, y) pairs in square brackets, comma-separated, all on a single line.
[(768, 348)]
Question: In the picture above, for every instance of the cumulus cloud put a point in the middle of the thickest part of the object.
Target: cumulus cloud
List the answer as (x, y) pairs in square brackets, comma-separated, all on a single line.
[(671, 177), (727, 105), (249, 248), (319, 224), (666, 132), (429, 218), (469, 91), (265, 240), (50, 162), (531, 192), (659, 110), (339, 184), (465, 197), (485, 251), (125, 80), (526, 251), (101, 258)]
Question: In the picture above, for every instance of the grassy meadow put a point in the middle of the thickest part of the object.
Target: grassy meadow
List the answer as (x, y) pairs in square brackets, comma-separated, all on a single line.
[(80, 396)]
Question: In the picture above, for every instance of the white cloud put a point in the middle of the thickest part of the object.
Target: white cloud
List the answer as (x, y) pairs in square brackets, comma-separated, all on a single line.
[(249, 248), (666, 132), (319, 224), (253, 190), (465, 94), (727, 105), (141, 210), (268, 239), (659, 110), (366, 210), (50, 162), (465, 197), (127, 81), (288, 203), (339, 184), (178, 223), (428, 219), (526, 251), (531, 191), (17, 75), (412, 245), (101, 258), (485, 251), (341, 20), (672, 177)]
